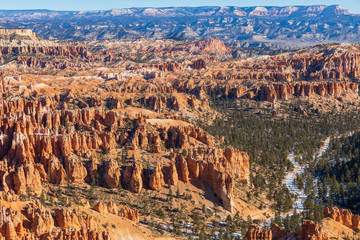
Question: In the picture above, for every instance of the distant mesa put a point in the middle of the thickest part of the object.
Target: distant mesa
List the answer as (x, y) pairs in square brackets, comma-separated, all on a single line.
[(17, 34)]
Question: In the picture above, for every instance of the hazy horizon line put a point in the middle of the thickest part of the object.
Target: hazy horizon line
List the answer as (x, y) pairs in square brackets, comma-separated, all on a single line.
[(89, 10)]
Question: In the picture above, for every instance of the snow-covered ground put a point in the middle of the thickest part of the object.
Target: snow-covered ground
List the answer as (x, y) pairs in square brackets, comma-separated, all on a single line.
[(289, 182), (299, 169)]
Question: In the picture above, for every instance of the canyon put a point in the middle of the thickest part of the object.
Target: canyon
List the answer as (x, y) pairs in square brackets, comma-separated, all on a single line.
[(97, 137)]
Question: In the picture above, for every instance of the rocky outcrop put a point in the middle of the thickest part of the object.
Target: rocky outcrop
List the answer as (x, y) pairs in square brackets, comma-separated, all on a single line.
[(157, 178), (286, 91), (277, 231), (100, 207), (343, 216), (35, 222), (75, 169), (178, 136), (231, 161), (17, 31), (56, 171), (112, 208), (91, 234), (321, 63), (173, 174), (312, 231), (129, 213), (114, 103), (74, 226), (60, 139), (219, 167), (11, 223), (134, 177), (41, 220), (199, 64), (58, 51), (256, 233), (112, 173), (158, 103), (281, 91), (183, 169), (167, 66), (27, 178), (33, 62)]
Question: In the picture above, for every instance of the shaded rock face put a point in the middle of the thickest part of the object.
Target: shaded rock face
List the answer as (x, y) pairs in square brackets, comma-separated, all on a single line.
[(199, 64), (167, 66), (177, 137), (343, 216), (256, 233), (312, 231), (277, 231), (158, 103), (172, 137)]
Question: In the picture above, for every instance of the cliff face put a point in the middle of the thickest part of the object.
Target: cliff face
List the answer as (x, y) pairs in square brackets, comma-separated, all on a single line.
[(220, 167), (199, 64), (35, 222), (287, 91), (343, 216), (17, 34), (330, 63), (310, 230), (277, 91), (17, 31), (256, 233), (58, 57), (61, 51), (39, 142)]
